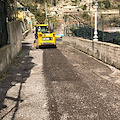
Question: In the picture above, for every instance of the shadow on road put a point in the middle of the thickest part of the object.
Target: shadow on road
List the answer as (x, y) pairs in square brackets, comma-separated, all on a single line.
[(15, 76)]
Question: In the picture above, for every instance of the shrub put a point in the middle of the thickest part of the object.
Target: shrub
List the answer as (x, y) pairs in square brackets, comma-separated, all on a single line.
[(107, 4), (84, 7), (85, 15)]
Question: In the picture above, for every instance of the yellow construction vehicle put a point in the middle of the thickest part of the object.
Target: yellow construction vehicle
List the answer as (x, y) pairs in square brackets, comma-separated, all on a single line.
[(44, 36)]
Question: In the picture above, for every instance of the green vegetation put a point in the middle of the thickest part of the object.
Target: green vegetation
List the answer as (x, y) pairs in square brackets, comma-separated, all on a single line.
[(37, 1), (39, 14), (114, 22), (85, 32), (54, 2), (119, 6), (99, 4), (55, 21), (85, 15), (107, 4), (32, 1), (83, 7), (65, 18), (66, 1), (74, 2), (32, 6)]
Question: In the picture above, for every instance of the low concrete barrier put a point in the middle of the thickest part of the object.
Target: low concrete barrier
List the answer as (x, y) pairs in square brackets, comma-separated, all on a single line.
[(25, 33), (8, 52), (106, 52)]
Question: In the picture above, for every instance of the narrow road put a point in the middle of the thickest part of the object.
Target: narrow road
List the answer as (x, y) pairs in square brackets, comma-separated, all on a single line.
[(80, 88), (59, 84)]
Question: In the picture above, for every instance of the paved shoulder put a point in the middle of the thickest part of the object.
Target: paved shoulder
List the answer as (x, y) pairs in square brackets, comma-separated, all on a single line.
[(22, 91)]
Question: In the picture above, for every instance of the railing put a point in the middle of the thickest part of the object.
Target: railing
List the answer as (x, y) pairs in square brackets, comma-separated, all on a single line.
[(86, 31)]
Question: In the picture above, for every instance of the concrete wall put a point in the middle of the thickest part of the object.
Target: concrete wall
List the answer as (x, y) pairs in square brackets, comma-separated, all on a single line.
[(8, 52), (106, 52)]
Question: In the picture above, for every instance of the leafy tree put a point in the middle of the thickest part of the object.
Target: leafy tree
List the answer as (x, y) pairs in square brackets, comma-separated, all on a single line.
[(84, 7), (54, 3), (40, 16), (100, 4), (55, 21), (76, 2), (119, 6), (65, 18), (115, 21), (85, 15), (107, 4), (32, 8)]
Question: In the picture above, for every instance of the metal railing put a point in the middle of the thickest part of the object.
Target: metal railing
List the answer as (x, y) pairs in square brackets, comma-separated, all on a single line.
[(87, 31)]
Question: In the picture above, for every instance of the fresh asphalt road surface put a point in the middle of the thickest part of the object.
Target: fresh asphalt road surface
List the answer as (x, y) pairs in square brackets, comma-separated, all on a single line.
[(79, 86), (59, 84)]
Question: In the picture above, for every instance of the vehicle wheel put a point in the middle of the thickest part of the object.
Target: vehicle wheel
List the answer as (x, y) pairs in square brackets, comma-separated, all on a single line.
[(55, 46)]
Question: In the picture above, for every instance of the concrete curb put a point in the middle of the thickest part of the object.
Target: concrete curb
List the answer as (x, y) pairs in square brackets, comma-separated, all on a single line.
[(106, 52)]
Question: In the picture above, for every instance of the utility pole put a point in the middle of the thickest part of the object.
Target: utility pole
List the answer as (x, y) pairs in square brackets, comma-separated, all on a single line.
[(95, 31), (46, 9), (51, 2), (103, 30), (46, 20), (54, 2), (91, 9)]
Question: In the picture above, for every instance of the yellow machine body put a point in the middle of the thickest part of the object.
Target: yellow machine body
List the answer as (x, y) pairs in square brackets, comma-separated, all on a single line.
[(44, 37)]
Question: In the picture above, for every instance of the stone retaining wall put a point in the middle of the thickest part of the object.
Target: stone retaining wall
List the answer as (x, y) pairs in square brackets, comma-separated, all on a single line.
[(106, 52), (8, 52)]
